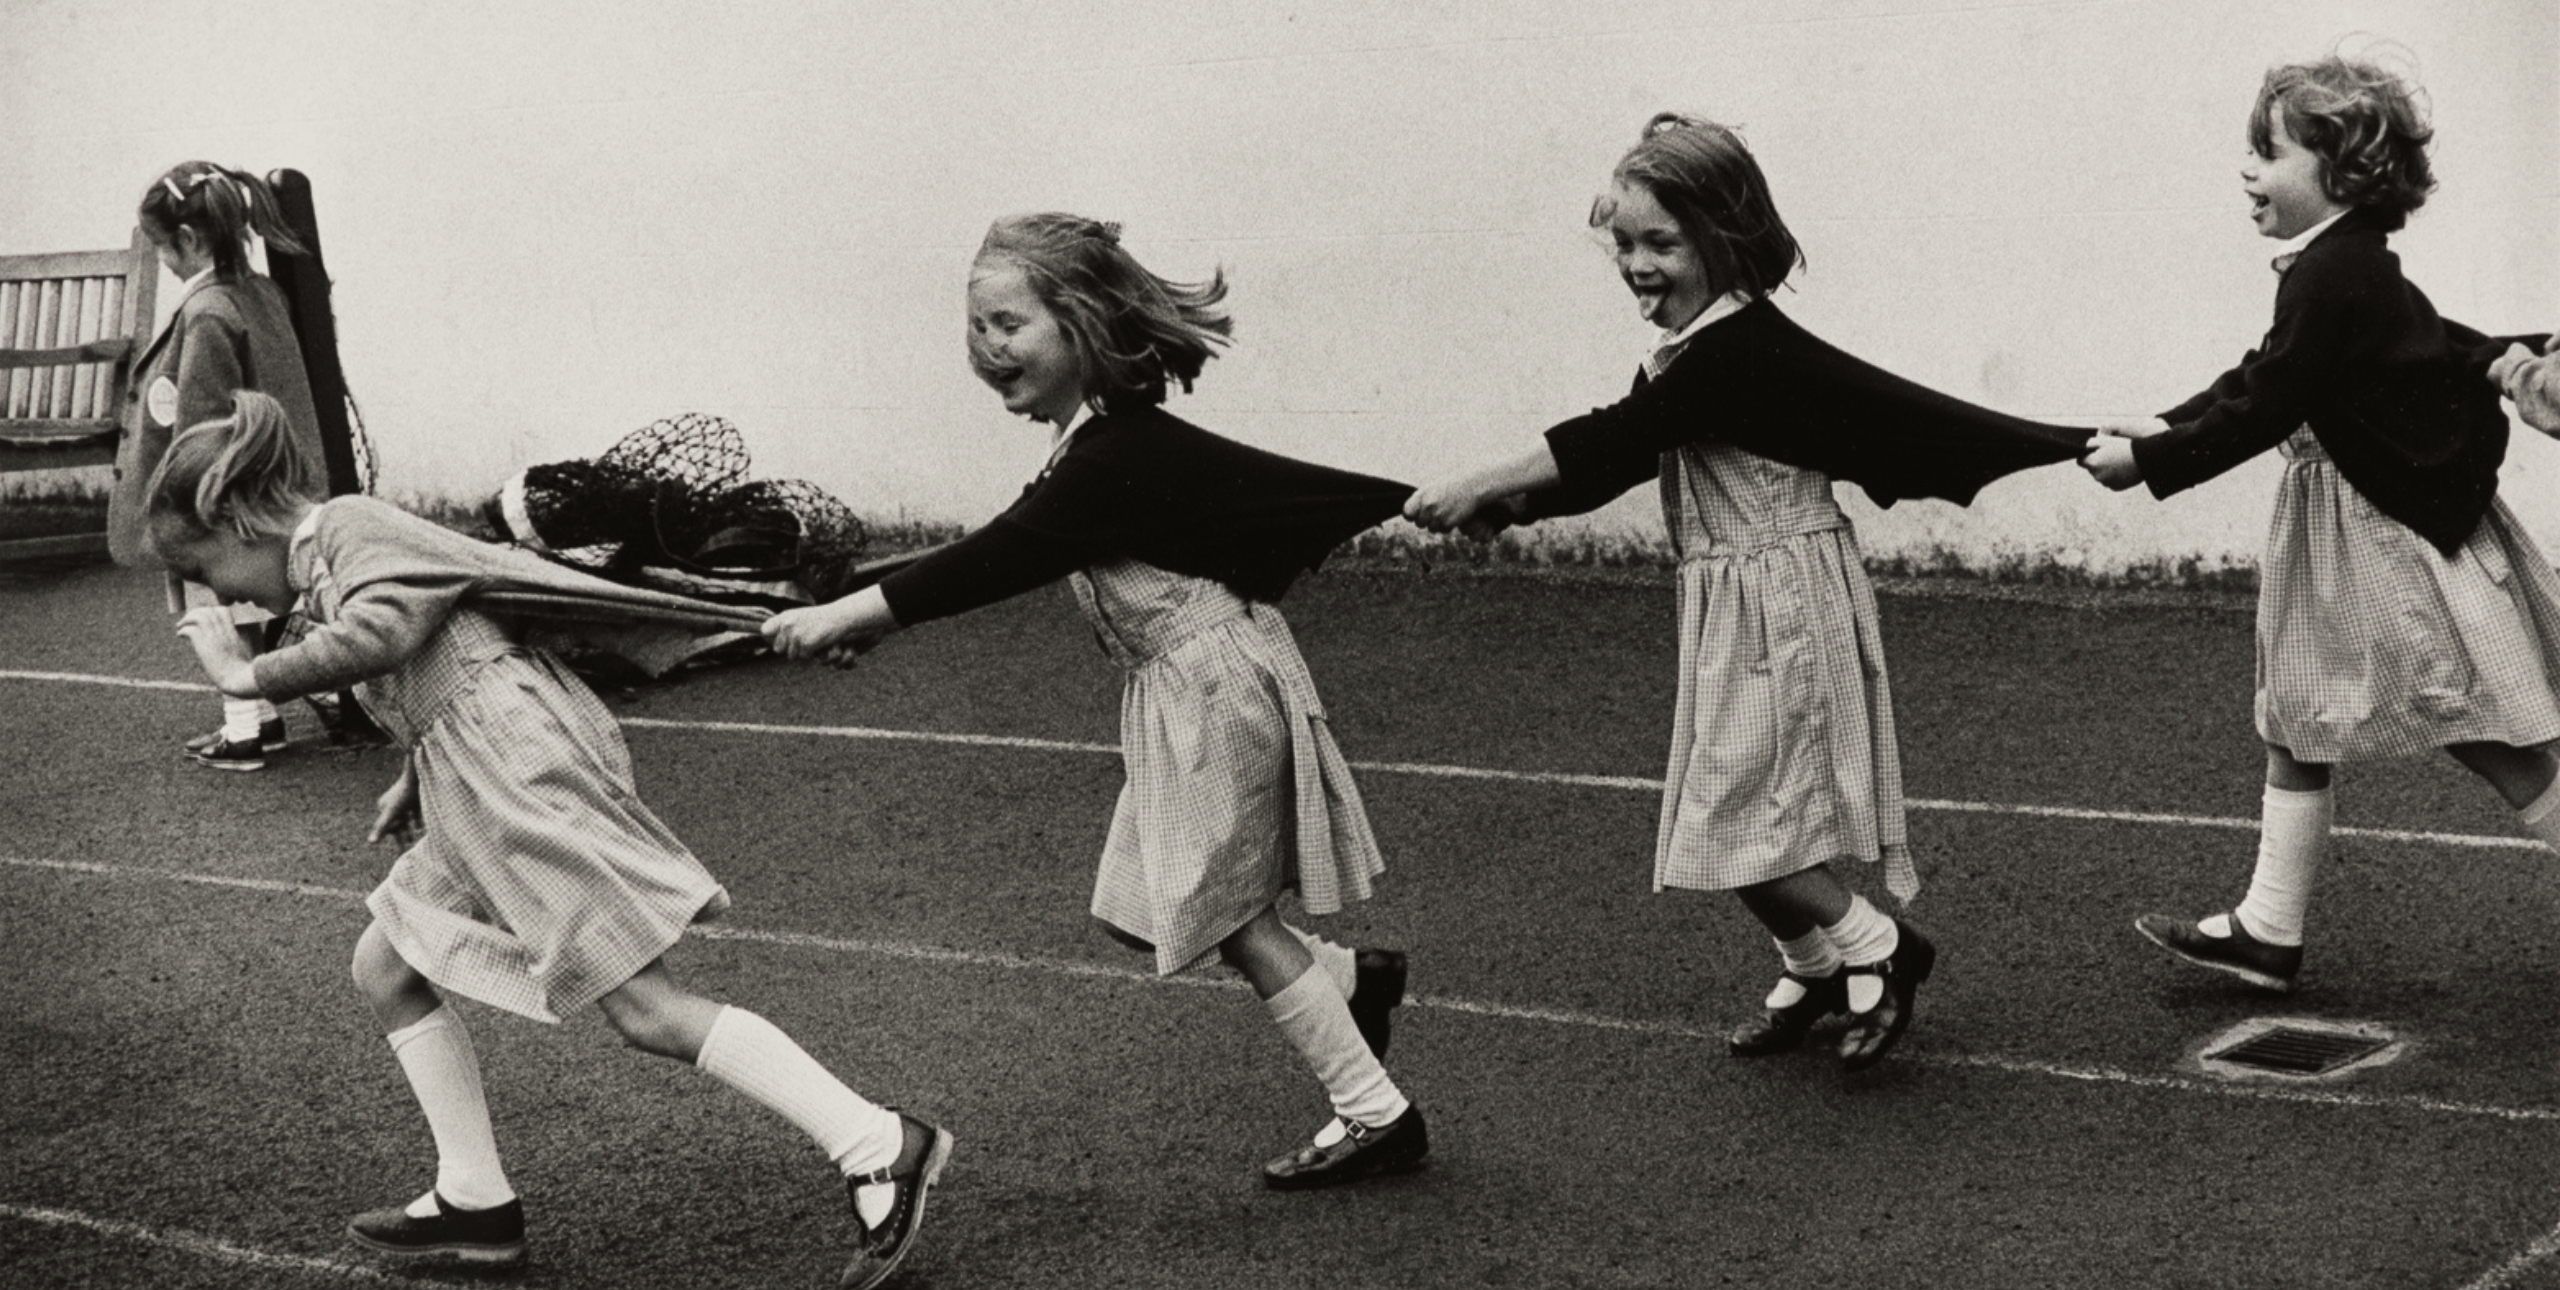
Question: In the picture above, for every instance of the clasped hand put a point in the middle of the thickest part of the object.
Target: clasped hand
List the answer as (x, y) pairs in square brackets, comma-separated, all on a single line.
[(831, 633), (1453, 507), (2109, 458)]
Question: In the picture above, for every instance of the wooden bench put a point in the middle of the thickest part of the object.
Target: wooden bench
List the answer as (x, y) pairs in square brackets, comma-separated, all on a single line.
[(71, 325)]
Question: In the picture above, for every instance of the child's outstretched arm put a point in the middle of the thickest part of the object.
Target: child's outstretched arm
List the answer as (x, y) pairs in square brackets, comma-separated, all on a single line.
[(1483, 501), (836, 631)]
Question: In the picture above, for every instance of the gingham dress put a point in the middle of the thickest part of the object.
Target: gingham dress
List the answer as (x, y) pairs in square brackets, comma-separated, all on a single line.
[(540, 882), (1235, 789), (1782, 745), (2372, 644)]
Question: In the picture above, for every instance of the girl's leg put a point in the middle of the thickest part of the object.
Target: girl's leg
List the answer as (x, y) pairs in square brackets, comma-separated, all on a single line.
[(1883, 960), (888, 1160), (1372, 982), (1377, 1127), (1809, 986), (471, 1213), (2260, 941), (2293, 834), (2526, 778), (251, 728)]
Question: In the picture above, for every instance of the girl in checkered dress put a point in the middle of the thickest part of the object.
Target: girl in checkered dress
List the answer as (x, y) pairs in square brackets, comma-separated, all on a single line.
[(538, 882), (2401, 608), (1783, 757), (1177, 543)]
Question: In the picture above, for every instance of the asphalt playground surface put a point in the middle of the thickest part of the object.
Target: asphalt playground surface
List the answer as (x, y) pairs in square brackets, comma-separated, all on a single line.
[(192, 1095)]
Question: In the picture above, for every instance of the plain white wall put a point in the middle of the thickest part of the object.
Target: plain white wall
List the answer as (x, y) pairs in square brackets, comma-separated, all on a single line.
[(550, 224)]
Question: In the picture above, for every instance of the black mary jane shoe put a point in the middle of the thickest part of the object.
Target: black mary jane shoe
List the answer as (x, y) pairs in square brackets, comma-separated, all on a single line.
[(1782, 1030), (1391, 1148), (450, 1234), (1873, 1033), (1377, 991), (878, 1251)]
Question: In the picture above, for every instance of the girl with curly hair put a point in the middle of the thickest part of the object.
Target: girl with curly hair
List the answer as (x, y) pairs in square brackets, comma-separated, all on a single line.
[(2401, 608)]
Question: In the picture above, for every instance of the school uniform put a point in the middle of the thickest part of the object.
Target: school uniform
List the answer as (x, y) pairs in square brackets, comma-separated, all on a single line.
[(1783, 752), (2401, 607), (540, 882), (1177, 543), (228, 333)]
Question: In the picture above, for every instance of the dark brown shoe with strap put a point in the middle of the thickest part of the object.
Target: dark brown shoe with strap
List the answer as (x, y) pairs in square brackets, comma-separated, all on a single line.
[(880, 1248), (1873, 1033), (1388, 1149), (2268, 967), (1782, 1030), (493, 1235)]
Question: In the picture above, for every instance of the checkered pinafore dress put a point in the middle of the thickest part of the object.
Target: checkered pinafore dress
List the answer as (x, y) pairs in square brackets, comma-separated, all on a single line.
[(2372, 644), (1783, 753), (1235, 789), (540, 882)]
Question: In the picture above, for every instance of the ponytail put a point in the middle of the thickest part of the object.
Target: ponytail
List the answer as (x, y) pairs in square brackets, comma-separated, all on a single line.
[(240, 473), (224, 205)]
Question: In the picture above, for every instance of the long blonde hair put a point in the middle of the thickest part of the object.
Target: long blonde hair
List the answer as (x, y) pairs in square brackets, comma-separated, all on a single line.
[(1135, 333)]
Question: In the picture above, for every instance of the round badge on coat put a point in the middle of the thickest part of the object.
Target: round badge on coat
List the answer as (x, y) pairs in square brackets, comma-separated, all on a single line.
[(162, 401)]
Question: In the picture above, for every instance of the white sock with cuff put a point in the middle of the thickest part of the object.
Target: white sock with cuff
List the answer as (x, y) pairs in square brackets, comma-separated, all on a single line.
[(2293, 835), (1316, 1020), (443, 1067), (1864, 935)]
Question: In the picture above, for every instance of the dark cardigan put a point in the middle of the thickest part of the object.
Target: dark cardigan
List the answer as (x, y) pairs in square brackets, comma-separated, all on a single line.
[(1763, 384), (2397, 396), (1147, 485)]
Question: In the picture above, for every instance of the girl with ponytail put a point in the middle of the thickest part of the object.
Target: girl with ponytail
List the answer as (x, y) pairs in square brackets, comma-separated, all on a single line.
[(231, 330)]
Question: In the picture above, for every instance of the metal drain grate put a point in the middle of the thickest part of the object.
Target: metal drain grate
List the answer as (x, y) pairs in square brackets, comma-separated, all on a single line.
[(2294, 1051)]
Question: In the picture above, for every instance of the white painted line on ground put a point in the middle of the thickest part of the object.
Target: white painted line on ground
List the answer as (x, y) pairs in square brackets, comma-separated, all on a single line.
[(1561, 779), (2505, 1274), (1440, 1003), (128, 682), (206, 1247)]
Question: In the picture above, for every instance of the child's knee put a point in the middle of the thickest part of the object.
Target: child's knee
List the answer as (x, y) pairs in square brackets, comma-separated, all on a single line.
[(661, 1022), (379, 971)]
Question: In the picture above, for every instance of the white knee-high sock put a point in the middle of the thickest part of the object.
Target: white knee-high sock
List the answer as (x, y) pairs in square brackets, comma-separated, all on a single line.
[(1810, 955), (1316, 1020), (1864, 935), (2541, 816), (2293, 834), (240, 720), (436, 1054), (1340, 962), (752, 1055)]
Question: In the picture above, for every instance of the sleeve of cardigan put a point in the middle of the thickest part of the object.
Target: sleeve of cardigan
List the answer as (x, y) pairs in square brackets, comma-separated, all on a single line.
[(997, 562), (381, 620), (2256, 405), (1607, 451)]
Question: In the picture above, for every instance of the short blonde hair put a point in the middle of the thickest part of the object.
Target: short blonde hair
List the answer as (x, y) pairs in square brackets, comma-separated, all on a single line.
[(239, 473)]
